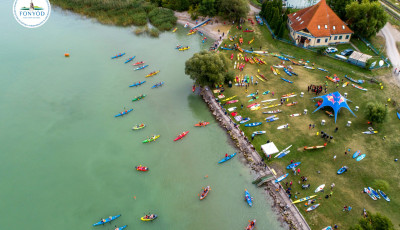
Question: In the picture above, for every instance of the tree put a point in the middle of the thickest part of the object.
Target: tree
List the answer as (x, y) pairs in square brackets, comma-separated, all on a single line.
[(366, 18), (374, 222), (281, 30), (234, 9), (376, 112), (207, 68), (207, 7), (339, 7)]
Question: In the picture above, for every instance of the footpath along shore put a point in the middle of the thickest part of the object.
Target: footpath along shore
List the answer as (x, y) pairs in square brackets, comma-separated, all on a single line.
[(283, 205)]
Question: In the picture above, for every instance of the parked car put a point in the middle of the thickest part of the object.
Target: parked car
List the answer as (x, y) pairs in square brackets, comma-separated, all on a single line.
[(347, 52), (331, 50)]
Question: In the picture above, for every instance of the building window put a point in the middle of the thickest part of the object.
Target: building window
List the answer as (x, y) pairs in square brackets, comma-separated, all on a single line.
[(318, 40), (334, 27), (326, 27), (347, 36), (319, 27), (326, 40), (335, 38), (343, 26), (340, 37)]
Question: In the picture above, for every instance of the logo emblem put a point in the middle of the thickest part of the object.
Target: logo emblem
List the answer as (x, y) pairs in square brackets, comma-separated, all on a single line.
[(31, 14)]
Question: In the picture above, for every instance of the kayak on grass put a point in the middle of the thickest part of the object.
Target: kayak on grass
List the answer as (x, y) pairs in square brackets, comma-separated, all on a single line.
[(136, 127), (139, 97), (374, 192), (293, 165), (244, 120), (281, 178), (248, 198), (342, 170), (227, 158), (320, 188), (204, 193), (118, 55), (356, 154), (149, 217), (252, 225), (312, 207), (153, 138), (182, 135), (109, 219), (174, 30), (253, 124), (139, 63), (303, 199), (153, 73), (359, 158), (123, 113), (137, 83), (202, 123), (142, 168), (286, 80), (370, 194), (157, 85), (141, 67), (370, 132), (384, 195), (259, 132), (130, 59)]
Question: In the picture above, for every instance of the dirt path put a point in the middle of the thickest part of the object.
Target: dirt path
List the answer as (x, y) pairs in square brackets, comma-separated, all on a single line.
[(392, 36)]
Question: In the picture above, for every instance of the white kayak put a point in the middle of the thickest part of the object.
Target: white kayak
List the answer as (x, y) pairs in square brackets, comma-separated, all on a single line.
[(269, 100), (231, 109), (320, 188), (283, 126), (295, 114)]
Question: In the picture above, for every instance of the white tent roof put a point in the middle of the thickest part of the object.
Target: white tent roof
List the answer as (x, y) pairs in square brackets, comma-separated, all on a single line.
[(269, 148)]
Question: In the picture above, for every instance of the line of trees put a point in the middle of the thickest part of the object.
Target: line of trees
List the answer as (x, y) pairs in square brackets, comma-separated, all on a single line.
[(276, 16), (229, 9)]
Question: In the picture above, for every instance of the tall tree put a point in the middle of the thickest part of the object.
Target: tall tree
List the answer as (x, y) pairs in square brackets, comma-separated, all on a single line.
[(207, 7), (339, 7), (234, 9), (366, 18), (376, 112), (207, 68), (374, 222)]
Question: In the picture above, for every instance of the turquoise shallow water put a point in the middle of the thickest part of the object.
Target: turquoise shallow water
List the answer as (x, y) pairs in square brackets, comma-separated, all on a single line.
[(67, 162)]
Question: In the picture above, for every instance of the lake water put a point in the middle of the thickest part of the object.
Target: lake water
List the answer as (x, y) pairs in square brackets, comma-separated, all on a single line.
[(66, 161)]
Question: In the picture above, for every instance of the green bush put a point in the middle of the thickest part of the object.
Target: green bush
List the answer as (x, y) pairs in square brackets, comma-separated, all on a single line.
[(381, 184), (154, 32), (376, 112)]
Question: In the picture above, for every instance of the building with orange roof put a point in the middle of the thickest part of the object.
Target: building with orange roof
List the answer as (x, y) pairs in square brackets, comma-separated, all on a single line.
[(318, 25)]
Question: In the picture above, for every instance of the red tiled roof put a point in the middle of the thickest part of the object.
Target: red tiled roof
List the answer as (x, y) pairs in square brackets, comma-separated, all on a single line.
[(319, 20)]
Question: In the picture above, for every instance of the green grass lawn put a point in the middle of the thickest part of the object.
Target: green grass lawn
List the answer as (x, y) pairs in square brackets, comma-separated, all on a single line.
[(362, 46), (378, 164)]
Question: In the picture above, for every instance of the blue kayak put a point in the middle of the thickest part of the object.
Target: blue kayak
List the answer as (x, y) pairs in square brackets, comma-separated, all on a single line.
[(362, 156), (227, 158), (244, 120), (294, 165), (141, 67), (130, 59), (286, 80), (137, 83), (157, 85), (281, 178), (342, 170), (287, 72), (248, 198), (223, 48), (253, 124), (398, 115), (384, 195), (283, 58), (374, 192), (123, 113), (103, 221), (323, 69), (356, 154), (118, 55), (120, 228)]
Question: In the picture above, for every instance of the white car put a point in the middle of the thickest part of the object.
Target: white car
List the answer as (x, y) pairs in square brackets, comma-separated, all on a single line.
[(331, 50)]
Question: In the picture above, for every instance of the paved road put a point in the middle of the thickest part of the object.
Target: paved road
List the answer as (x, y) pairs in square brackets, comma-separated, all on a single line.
[(391, 36)]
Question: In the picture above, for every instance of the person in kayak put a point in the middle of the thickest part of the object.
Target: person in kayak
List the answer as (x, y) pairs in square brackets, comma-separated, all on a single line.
[(226, 154)]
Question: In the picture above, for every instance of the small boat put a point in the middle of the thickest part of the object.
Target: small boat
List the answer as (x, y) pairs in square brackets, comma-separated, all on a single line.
[(253, 124), (137, 127), (291, 104), (273, 70), (283, 126), (118, 55), (374, 192), (320, 188), (293, 165), (359, 87), (231, 102), (342, 170), (204, 193), (370, 194), (287, 72), (244, 120), (281, 152), (309, 67), (182, 135), (248, 198), (353, 80), (142, 168), (149, 217), (139, 63), (271, 119), (253, 99), (232, 109), (137, 83), (314, 147), (266, 92), (312, 207), (362, 156), (109, 219), (356, 154), (252, 225), (398, 115), (123, 113), (153, 73), (370, 132), (286, 80), (174, 30), (295, 114), (229, 98), (384, 196), (281, 178), (303, 199), (345, 84), (141, 67), (153, 138), (202, 124), (227, 158), (178, 46), (120, 228), (323, 69), (157, 85), (139, 97), (273, 111), (279, 66), (184, 48), (327, 228), (130, 59)]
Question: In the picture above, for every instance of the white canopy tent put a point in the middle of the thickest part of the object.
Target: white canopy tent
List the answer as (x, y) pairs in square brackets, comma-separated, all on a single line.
[(269, 148)]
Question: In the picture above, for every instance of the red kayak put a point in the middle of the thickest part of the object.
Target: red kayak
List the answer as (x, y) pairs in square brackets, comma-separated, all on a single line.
[(142, 168), (252, 225), (139, 63), (181, 135)]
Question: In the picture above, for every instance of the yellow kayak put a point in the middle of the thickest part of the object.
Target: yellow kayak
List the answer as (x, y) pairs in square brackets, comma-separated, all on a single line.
[(174, 30), (230, 98), (153, 73), (185, 48), (260, 78), (149, 218), (277, 71), (303, 199)]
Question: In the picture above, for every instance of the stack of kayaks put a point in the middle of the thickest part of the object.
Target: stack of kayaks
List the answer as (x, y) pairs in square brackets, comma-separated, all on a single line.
[(109, 219), (130, 59), (123, 113), (204, 193), (118, 55), (139, 97), (137, 83), (153, 138), (136, 127), (227, 158), (153, 73), (157, 85)]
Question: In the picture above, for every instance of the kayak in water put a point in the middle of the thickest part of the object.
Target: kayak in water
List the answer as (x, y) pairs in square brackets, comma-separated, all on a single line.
[(123, 113), (252, 225), (182, 135), (226, 158), (136, 127), (201, 123), (109, 219), (142, 168), (153, 138), (149, 217), (118, 55), (204, 193)]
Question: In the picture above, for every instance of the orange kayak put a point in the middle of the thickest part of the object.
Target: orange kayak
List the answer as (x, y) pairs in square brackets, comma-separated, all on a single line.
[(202, 124)]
